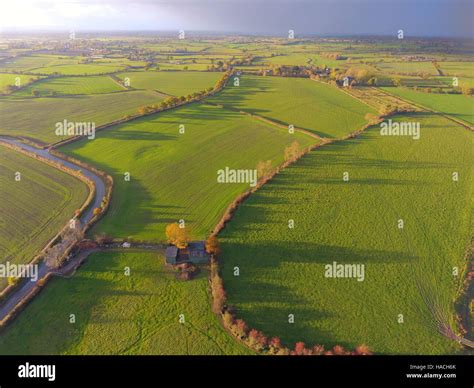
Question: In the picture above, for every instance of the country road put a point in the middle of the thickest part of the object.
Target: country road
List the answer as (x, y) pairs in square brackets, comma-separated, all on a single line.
[(98, 182), (100, 189)]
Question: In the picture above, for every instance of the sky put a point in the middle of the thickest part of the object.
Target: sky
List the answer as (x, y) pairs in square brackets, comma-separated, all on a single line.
[(273, 17)]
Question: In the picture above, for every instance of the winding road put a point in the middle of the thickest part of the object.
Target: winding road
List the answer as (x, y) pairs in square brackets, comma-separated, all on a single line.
[(28, 286)]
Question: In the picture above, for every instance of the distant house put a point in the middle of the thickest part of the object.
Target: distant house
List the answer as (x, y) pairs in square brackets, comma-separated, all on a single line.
[(194, 253), (126, 245)]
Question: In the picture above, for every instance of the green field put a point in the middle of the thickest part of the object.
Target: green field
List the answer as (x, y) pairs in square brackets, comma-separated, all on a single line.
[(11, 79), (456, 105), (80, 69), (356, 222), (36, 117), (173, 175), (291, 59), (73, 85), (407, 67), (66, 64), (35, 208), (31, 62), (176, 83), (116, 314), (459, 69), (318, 107)]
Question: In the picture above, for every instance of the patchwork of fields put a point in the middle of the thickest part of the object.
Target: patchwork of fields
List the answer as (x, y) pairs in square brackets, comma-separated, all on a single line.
[(173, 175), (65, 65), (35, 208), (73, 85), (407, 68), (176, 83), (173, 159), (36, 117), (282, 270), (11, 79), (118, 314), (317, 107), (456, 105)]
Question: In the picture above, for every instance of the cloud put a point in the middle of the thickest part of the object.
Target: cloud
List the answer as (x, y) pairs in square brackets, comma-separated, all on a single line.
[(319, 17)]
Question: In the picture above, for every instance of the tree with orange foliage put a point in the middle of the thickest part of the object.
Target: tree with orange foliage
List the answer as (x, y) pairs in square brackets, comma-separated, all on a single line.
[(371, 118), (338, 350), (300, 348), (241, 329), (264, 168), (176, 235), (363, 350), (318, 350), (292, 151), (97, 211), (213, 246)]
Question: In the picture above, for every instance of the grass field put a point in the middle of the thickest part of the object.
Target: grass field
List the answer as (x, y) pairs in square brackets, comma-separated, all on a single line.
[(31, 62), (292, 59), (173, 175), (456, 105), (66, 65), (407, 67), (80, 69), (36, 117), (314, 106), (356, 222), (116, 314), (73, 85), (35, 208), (460, 69), (10, 79), (379, 99), (176, 83)]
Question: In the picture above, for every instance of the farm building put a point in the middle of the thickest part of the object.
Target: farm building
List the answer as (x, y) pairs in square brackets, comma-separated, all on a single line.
[(194, 253)]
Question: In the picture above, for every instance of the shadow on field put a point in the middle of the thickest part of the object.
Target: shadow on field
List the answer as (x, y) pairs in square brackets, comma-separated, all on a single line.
[(53, 307), (199, 115), (239, 98), (264, 301), (273, 321), (134, 210), (274, 253), (135, 134)]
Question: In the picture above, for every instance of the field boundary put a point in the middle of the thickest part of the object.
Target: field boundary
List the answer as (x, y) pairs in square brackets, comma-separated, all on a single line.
[(138, 115), (40, 283), (241, 198), (7, 290), (267, 120), (445, 115)]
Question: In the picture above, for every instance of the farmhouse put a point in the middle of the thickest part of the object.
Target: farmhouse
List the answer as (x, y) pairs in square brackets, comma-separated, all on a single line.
[(194, 253)]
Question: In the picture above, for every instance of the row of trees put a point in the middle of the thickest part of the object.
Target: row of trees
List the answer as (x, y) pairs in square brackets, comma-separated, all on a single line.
[(229, 64), (335, 56), (171, 101), (291, 153), (288, 71), (254, 338)]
